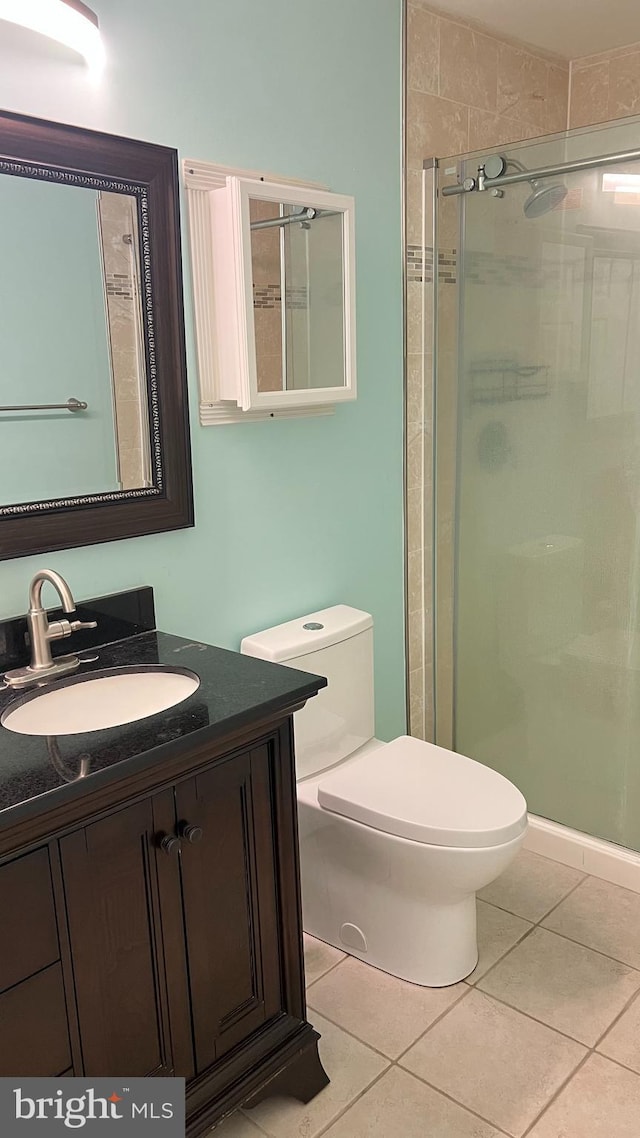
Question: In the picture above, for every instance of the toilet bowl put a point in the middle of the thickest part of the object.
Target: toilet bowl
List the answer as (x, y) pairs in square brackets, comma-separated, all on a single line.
[(395, 838)]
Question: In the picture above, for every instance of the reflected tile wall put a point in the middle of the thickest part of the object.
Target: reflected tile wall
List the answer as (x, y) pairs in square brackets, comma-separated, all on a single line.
[(267, 301), (119, 242)]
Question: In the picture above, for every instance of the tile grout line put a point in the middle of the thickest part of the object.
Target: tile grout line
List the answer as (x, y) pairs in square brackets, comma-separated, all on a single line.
[(539, 922), (500, 959), (331, 968), (351, 1034), (556, 1094), (562, 900), (613, 1023), (455, 1101), (345, 1109), (494, 114), (460, 998), (547, 912), (540, 1022), (598, 951), (578, 944)]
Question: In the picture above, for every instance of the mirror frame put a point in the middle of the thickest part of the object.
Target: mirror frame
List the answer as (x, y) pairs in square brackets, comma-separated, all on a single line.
[(37, 148)]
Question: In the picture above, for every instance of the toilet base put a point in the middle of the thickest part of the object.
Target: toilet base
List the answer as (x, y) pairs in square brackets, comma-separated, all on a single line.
[(444, 952), (401, 906)]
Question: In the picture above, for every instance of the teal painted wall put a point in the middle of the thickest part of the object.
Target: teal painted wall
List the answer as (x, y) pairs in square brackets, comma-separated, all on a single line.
[(292, 515)]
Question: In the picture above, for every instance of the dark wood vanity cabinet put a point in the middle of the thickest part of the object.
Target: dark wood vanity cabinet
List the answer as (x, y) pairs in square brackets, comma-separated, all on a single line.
[(111, 902), (229, 887), (165, 937)]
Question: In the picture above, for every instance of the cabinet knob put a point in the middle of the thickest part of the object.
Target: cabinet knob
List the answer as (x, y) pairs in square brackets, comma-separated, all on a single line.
[(170, 844), (190, 833)]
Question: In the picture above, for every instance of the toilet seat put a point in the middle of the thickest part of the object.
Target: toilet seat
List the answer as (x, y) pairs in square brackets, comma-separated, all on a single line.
[(416, 790)]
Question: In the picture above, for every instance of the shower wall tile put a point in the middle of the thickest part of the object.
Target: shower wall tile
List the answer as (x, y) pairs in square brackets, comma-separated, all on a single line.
[(624, 85), (434, 126), (522, 85), (414, 519), (416, 703), (605, 86), (415, 462), (589, 95), (468, 66), (488, 130), (555, 112), (605, 56), (414, 206), (414, 317), (423, 50), (466, 90), (415, 600), (416, 399)]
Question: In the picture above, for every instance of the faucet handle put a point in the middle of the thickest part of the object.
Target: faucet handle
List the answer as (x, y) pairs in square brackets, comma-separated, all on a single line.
[(76, 625)]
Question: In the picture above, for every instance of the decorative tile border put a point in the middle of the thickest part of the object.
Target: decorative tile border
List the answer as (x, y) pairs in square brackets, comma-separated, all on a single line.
[(487, 268), (119, 284), (420, 264), (270, 296)]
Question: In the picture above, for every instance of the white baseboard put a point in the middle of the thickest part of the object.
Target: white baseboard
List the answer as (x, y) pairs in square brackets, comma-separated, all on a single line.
[(591, 855)]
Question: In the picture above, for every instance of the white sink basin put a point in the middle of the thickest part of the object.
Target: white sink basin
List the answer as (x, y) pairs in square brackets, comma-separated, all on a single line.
[(104, 699)]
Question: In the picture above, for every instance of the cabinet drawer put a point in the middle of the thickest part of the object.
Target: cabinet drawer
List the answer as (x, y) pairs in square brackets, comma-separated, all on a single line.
[(34, 1035), (29, 939)]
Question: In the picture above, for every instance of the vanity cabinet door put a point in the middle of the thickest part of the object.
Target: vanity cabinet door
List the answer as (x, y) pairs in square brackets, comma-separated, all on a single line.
[(111, 898), (229, 901)]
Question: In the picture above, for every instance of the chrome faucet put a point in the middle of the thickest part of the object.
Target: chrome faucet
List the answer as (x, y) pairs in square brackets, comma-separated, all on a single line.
[(43, 667)]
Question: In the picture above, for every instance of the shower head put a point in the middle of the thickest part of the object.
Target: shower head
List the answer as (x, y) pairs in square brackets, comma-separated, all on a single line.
[(543, 198)]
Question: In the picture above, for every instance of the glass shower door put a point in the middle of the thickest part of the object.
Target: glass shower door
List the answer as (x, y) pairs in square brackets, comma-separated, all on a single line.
[(538, 484)]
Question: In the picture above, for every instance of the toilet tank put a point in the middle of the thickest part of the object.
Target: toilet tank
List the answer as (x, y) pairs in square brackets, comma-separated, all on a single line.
[(337, 643)]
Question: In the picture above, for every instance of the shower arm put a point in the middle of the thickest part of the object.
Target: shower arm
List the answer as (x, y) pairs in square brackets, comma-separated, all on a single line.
[(522, 175)]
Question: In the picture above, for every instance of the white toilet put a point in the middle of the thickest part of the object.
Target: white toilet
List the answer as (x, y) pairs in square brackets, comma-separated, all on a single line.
[(395, 838)]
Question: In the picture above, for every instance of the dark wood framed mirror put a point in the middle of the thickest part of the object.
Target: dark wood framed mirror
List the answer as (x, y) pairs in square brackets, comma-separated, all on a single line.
[(94, 429)]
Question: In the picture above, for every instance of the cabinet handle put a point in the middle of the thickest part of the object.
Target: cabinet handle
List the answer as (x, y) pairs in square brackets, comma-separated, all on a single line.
[(190, 833), (170, 844)]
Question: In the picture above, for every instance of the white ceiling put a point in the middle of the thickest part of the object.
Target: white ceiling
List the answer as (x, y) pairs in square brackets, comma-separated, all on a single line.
[(569, 28)]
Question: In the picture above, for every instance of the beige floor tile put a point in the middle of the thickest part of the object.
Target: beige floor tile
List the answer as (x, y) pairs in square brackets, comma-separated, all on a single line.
[(383, 1011), (236, 1126), (531, 886), (319, 958), (495, 1061), (498, 931), (601, 1101), (351, 1067), (564, 984), (399, 1106), (623, 1041), (602, 916)]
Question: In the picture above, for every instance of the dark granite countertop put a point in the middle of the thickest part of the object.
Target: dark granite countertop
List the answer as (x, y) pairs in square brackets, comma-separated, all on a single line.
[(37, 772)]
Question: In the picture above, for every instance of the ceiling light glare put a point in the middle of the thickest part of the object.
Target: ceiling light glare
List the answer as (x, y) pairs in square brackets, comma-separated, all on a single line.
[(70, 22)]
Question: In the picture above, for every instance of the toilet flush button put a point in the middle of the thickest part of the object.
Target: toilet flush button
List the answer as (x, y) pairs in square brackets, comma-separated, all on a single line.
[(313, 626)]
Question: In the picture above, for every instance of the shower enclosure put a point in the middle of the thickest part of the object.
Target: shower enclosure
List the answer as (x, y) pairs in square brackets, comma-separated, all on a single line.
[(536, 369)]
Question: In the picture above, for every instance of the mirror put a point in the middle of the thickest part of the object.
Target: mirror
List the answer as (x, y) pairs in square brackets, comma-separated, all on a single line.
[(70, 269), (297, 260), (93, 420), (274, 291)]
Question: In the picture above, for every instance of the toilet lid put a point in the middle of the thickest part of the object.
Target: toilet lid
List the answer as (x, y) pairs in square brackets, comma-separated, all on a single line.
[(419, 791)]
